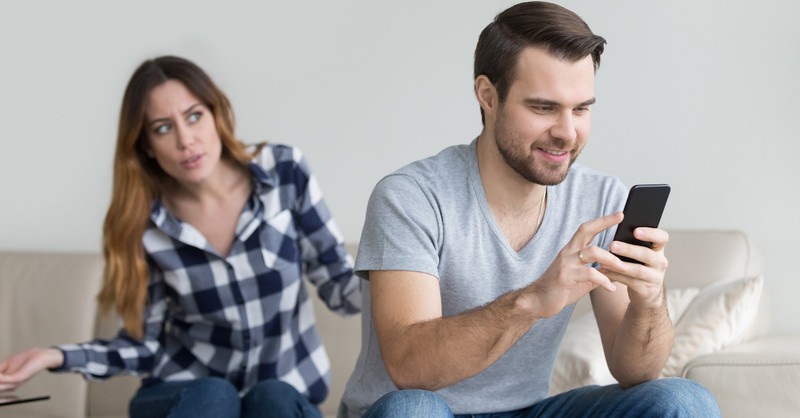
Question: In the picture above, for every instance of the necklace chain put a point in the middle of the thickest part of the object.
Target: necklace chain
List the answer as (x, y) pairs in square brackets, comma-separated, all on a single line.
[(541, 211)]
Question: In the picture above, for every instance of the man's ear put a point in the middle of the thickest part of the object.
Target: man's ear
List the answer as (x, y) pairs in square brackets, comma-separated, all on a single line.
[(487, 96)]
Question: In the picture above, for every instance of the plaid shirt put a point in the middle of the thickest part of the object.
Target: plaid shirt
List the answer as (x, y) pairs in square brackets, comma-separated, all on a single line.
[(246, 317)]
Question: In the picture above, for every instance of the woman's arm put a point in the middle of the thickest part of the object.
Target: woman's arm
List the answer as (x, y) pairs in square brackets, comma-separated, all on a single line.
[(18, 368), (326, 261), (101, 359)]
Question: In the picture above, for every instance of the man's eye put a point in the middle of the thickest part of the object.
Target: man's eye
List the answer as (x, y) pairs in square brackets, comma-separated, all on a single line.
[(194, 117), (543, 109)]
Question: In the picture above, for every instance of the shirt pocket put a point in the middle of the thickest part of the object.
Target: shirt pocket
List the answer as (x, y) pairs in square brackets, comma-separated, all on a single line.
[(278, 239), (279, 277)]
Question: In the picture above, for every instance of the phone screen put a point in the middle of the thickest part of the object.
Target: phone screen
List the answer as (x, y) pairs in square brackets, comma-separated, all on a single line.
[(644, 207)]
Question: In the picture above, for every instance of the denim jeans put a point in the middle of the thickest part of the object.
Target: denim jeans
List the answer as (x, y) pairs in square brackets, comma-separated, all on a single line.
[(671, 397), (218, 398)]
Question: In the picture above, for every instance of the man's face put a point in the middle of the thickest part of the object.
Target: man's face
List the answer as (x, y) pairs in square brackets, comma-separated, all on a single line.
[(544, 122)]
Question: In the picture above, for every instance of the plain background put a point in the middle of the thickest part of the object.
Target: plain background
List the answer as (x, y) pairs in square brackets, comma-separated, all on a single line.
[(699, 94)]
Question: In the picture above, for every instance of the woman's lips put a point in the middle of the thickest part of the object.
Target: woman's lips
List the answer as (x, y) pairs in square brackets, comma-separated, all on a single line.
[(193, 161)]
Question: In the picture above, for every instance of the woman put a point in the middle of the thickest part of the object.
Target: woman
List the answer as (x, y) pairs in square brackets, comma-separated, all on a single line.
[(210, 289)]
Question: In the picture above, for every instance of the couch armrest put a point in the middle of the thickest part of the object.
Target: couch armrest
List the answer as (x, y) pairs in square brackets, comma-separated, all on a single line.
[(757, 378)]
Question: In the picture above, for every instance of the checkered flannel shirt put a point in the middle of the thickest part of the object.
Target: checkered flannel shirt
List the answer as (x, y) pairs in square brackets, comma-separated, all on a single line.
[(246, 317)]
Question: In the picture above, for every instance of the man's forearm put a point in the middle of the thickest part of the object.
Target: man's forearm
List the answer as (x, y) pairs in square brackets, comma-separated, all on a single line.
[(443, 351), (642, 345)]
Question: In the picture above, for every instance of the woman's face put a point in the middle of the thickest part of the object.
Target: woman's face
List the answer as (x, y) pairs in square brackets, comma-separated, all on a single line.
[(181, 134)]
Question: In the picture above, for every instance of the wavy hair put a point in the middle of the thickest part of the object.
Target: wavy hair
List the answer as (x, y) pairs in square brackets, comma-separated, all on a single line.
[(138, 180)]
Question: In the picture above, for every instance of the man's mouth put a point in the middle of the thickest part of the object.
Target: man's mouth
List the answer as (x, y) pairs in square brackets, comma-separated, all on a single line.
[(554, 155), (554, 152)]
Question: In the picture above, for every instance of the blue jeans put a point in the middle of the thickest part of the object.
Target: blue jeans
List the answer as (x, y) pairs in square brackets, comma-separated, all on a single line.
[(218, 398), (671, 397)]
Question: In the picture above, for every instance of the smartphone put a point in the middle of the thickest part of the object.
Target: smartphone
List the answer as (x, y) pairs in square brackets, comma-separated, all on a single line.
[(644, 207)]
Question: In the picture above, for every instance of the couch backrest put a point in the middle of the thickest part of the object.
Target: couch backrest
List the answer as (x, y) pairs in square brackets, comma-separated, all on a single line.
[(46, 299), (698, 258)]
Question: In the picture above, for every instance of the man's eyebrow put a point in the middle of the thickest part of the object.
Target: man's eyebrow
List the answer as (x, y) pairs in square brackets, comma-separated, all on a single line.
[(537, 101)]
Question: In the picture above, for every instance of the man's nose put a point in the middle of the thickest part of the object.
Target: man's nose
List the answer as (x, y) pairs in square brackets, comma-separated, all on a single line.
[(564, 127)]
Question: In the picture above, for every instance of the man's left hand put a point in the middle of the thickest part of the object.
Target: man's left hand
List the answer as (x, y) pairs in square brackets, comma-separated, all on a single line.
[(645, 281)]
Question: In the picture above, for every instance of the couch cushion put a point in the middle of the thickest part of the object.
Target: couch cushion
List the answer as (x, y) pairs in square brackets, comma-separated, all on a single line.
[(719, 316)]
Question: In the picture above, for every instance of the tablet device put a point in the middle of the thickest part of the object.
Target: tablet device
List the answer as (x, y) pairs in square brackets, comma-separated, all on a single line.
[(11, 399)]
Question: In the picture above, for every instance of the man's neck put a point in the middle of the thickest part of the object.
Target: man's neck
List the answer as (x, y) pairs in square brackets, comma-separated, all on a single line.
[(507, 192)]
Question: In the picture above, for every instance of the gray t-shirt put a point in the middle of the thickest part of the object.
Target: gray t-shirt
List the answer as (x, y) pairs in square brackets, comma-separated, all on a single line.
[(432, 216)]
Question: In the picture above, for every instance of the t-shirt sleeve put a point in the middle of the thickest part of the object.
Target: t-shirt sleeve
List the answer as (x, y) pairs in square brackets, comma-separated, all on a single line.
[(401, 230)]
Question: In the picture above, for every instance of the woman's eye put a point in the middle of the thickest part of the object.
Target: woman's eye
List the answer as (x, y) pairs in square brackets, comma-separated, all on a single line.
[(194, 117), (162, 129)]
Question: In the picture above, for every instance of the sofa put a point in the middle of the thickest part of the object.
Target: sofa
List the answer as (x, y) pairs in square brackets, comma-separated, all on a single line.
[(49, 297)]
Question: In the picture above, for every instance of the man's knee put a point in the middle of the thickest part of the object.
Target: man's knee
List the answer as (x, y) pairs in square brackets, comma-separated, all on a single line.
[(677, 397), (410, 403)]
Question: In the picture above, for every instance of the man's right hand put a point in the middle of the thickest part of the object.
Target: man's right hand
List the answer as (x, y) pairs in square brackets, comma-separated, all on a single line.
[(570, 276), (17, 369)]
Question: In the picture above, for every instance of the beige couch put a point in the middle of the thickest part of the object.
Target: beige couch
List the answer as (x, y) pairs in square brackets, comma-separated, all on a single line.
[(48, 298)]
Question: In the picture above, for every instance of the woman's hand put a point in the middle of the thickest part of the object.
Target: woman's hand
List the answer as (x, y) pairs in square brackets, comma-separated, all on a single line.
[(17, 369)]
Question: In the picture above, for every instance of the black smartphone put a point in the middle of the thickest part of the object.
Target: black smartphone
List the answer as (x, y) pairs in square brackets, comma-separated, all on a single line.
[(644, 207)]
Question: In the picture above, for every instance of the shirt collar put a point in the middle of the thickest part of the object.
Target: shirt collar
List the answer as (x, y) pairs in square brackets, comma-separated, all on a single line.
[(263, 181)]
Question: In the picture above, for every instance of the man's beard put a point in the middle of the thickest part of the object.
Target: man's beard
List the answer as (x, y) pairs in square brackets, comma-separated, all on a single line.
[(514, 153)]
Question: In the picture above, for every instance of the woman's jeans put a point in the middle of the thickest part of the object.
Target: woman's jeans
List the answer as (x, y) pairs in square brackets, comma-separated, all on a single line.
[(218, 398), (671, 397)]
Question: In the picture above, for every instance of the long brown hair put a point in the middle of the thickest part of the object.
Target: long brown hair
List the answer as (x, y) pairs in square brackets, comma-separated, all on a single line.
[(138, 180)]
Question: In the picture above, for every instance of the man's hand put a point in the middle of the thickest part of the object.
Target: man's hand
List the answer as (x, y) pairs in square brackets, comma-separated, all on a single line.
[(645, 281), (570, 276), (634, 324), (17, 369)]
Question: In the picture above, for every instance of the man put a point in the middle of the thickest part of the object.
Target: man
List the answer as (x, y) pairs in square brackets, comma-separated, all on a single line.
[(475, 257)]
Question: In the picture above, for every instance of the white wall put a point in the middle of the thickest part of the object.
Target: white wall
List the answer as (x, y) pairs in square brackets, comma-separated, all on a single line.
[(702, 95)]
